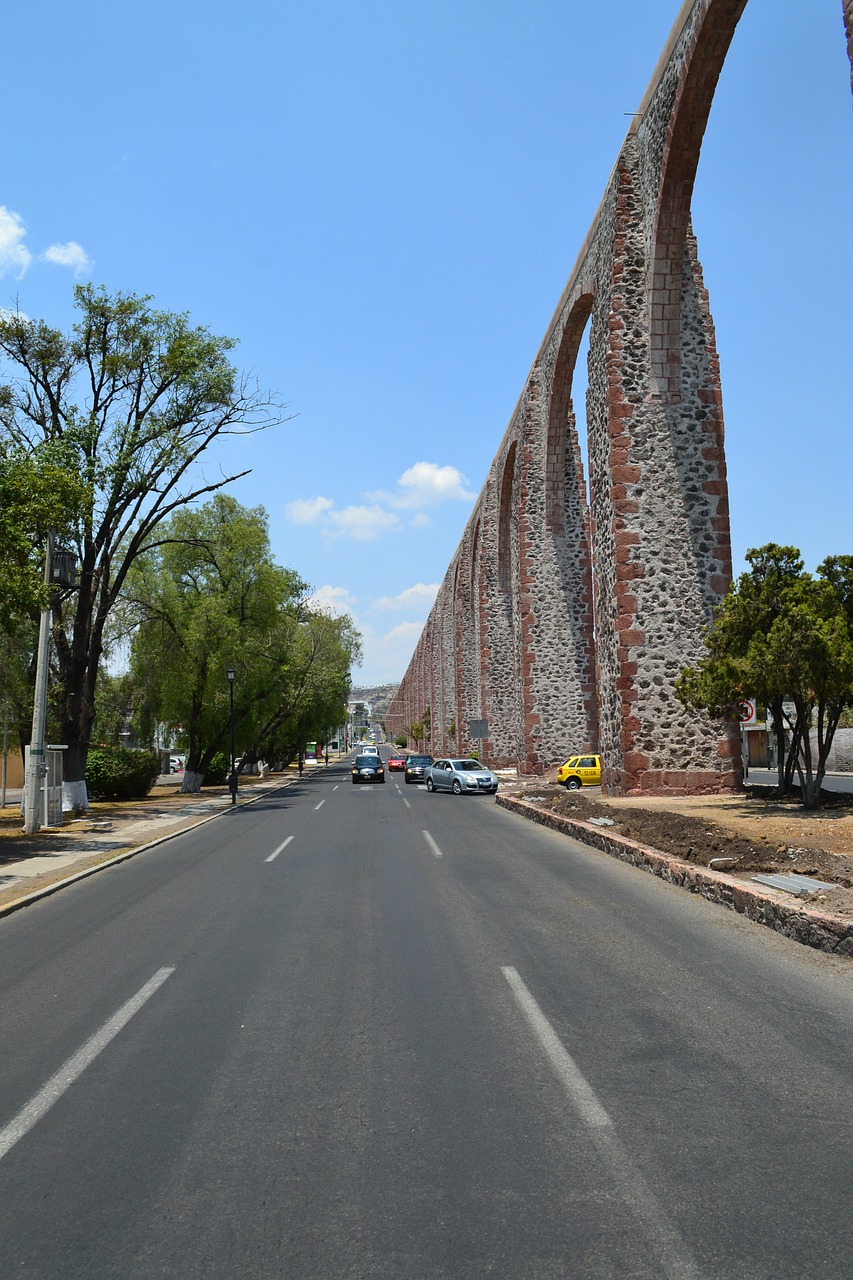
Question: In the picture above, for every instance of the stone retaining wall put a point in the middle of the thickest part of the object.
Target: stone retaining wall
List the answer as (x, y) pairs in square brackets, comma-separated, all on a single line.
[(803, 924)]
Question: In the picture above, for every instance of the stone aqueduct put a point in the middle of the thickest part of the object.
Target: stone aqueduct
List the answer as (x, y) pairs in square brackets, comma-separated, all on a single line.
[(563, 622)]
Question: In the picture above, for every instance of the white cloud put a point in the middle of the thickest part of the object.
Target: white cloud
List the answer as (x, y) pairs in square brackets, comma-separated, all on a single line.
[(15, 257), (386, 656), (426, 484), (70, 255), (307, 510), (421, 595), (334, 600), (364, 524)]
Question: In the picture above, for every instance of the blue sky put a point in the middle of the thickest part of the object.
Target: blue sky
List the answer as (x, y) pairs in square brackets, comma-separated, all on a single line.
[(382, 202)]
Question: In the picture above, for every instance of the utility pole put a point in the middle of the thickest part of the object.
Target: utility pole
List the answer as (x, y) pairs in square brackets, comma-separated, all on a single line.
[(36, 765), (232, 777), (5, 752)]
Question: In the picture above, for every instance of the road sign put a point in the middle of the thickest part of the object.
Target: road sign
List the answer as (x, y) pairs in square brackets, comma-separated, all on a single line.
[(747, 713)]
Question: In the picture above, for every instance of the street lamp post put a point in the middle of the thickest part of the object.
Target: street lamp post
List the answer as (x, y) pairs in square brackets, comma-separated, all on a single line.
[(232, 779)]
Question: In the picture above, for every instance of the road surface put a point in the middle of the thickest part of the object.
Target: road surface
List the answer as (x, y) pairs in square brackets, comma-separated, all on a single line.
[(364, 1031)]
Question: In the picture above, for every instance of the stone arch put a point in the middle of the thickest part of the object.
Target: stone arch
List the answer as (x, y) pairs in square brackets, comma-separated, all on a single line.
[(657, 513), (505, 520), (564, 465), (477, 638), (500, 589), (699, 70)]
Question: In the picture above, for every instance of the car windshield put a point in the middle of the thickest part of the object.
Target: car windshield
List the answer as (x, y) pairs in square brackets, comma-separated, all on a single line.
[(361, 761), (419, 760), (469, 766)]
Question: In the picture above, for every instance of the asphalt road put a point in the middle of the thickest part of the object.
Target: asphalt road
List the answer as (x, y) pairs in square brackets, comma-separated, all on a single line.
[(832, 781), (371, 1032)]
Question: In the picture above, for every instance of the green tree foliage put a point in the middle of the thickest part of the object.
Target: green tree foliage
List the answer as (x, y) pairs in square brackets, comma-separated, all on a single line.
[(118, 716), (37, 494), (209, 597), (132, 398), (308, 663), (785, 638), (119, 773)]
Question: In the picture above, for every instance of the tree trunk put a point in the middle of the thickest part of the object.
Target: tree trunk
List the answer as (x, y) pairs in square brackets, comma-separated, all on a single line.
[(191, 784), (75, 796), (810, 788)]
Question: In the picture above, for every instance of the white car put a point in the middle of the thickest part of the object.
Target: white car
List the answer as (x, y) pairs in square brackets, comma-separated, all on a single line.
[(461, 776), (369, 751)]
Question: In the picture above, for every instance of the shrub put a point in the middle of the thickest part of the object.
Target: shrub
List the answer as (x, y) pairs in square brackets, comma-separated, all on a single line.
[(217, 771), (120, 773)]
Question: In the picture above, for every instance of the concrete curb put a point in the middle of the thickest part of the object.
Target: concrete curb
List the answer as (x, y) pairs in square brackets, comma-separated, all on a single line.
[(811, 927), (27, 899)]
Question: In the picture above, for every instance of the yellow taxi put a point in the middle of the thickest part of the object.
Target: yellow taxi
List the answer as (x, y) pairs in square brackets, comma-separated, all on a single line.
[(580, 771)]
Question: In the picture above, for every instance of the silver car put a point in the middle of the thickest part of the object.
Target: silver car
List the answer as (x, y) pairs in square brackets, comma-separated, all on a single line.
[(461, 775)]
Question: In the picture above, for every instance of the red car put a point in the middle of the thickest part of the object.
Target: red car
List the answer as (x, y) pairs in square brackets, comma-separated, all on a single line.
[(396, 763)]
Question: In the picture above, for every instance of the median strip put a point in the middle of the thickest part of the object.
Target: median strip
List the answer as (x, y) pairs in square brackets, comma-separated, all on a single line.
[(807, 925)]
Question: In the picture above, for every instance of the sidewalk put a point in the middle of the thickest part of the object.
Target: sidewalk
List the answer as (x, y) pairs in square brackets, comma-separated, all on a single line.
[(33, 866)]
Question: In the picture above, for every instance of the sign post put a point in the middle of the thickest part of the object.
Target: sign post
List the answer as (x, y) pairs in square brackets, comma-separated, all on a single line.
[(478, 729)]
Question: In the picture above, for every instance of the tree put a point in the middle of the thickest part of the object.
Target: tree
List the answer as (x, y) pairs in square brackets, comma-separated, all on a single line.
[(134, 397), (208, 597), (785, 638), (308, 669), (37, 494)]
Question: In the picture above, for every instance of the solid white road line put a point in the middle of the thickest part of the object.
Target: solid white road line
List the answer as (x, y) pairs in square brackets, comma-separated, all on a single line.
[(319, 806), (76, 1065), (584, 1100), (675, 1258), (277, 851), (432, 844)]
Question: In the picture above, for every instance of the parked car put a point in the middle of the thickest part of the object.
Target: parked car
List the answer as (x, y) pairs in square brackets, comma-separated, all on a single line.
[(580, 771), (176, 764), (416, 767), (396, 764), (368, 768), (461, 776)]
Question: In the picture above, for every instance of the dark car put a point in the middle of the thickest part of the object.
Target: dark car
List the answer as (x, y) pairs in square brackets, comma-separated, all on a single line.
[(416, 767), (368, 769)]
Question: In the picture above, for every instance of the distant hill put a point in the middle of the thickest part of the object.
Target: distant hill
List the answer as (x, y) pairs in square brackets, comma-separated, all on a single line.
[(380, 697)]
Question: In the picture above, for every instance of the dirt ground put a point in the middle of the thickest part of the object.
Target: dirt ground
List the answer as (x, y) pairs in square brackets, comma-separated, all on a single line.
[(759, 832)]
